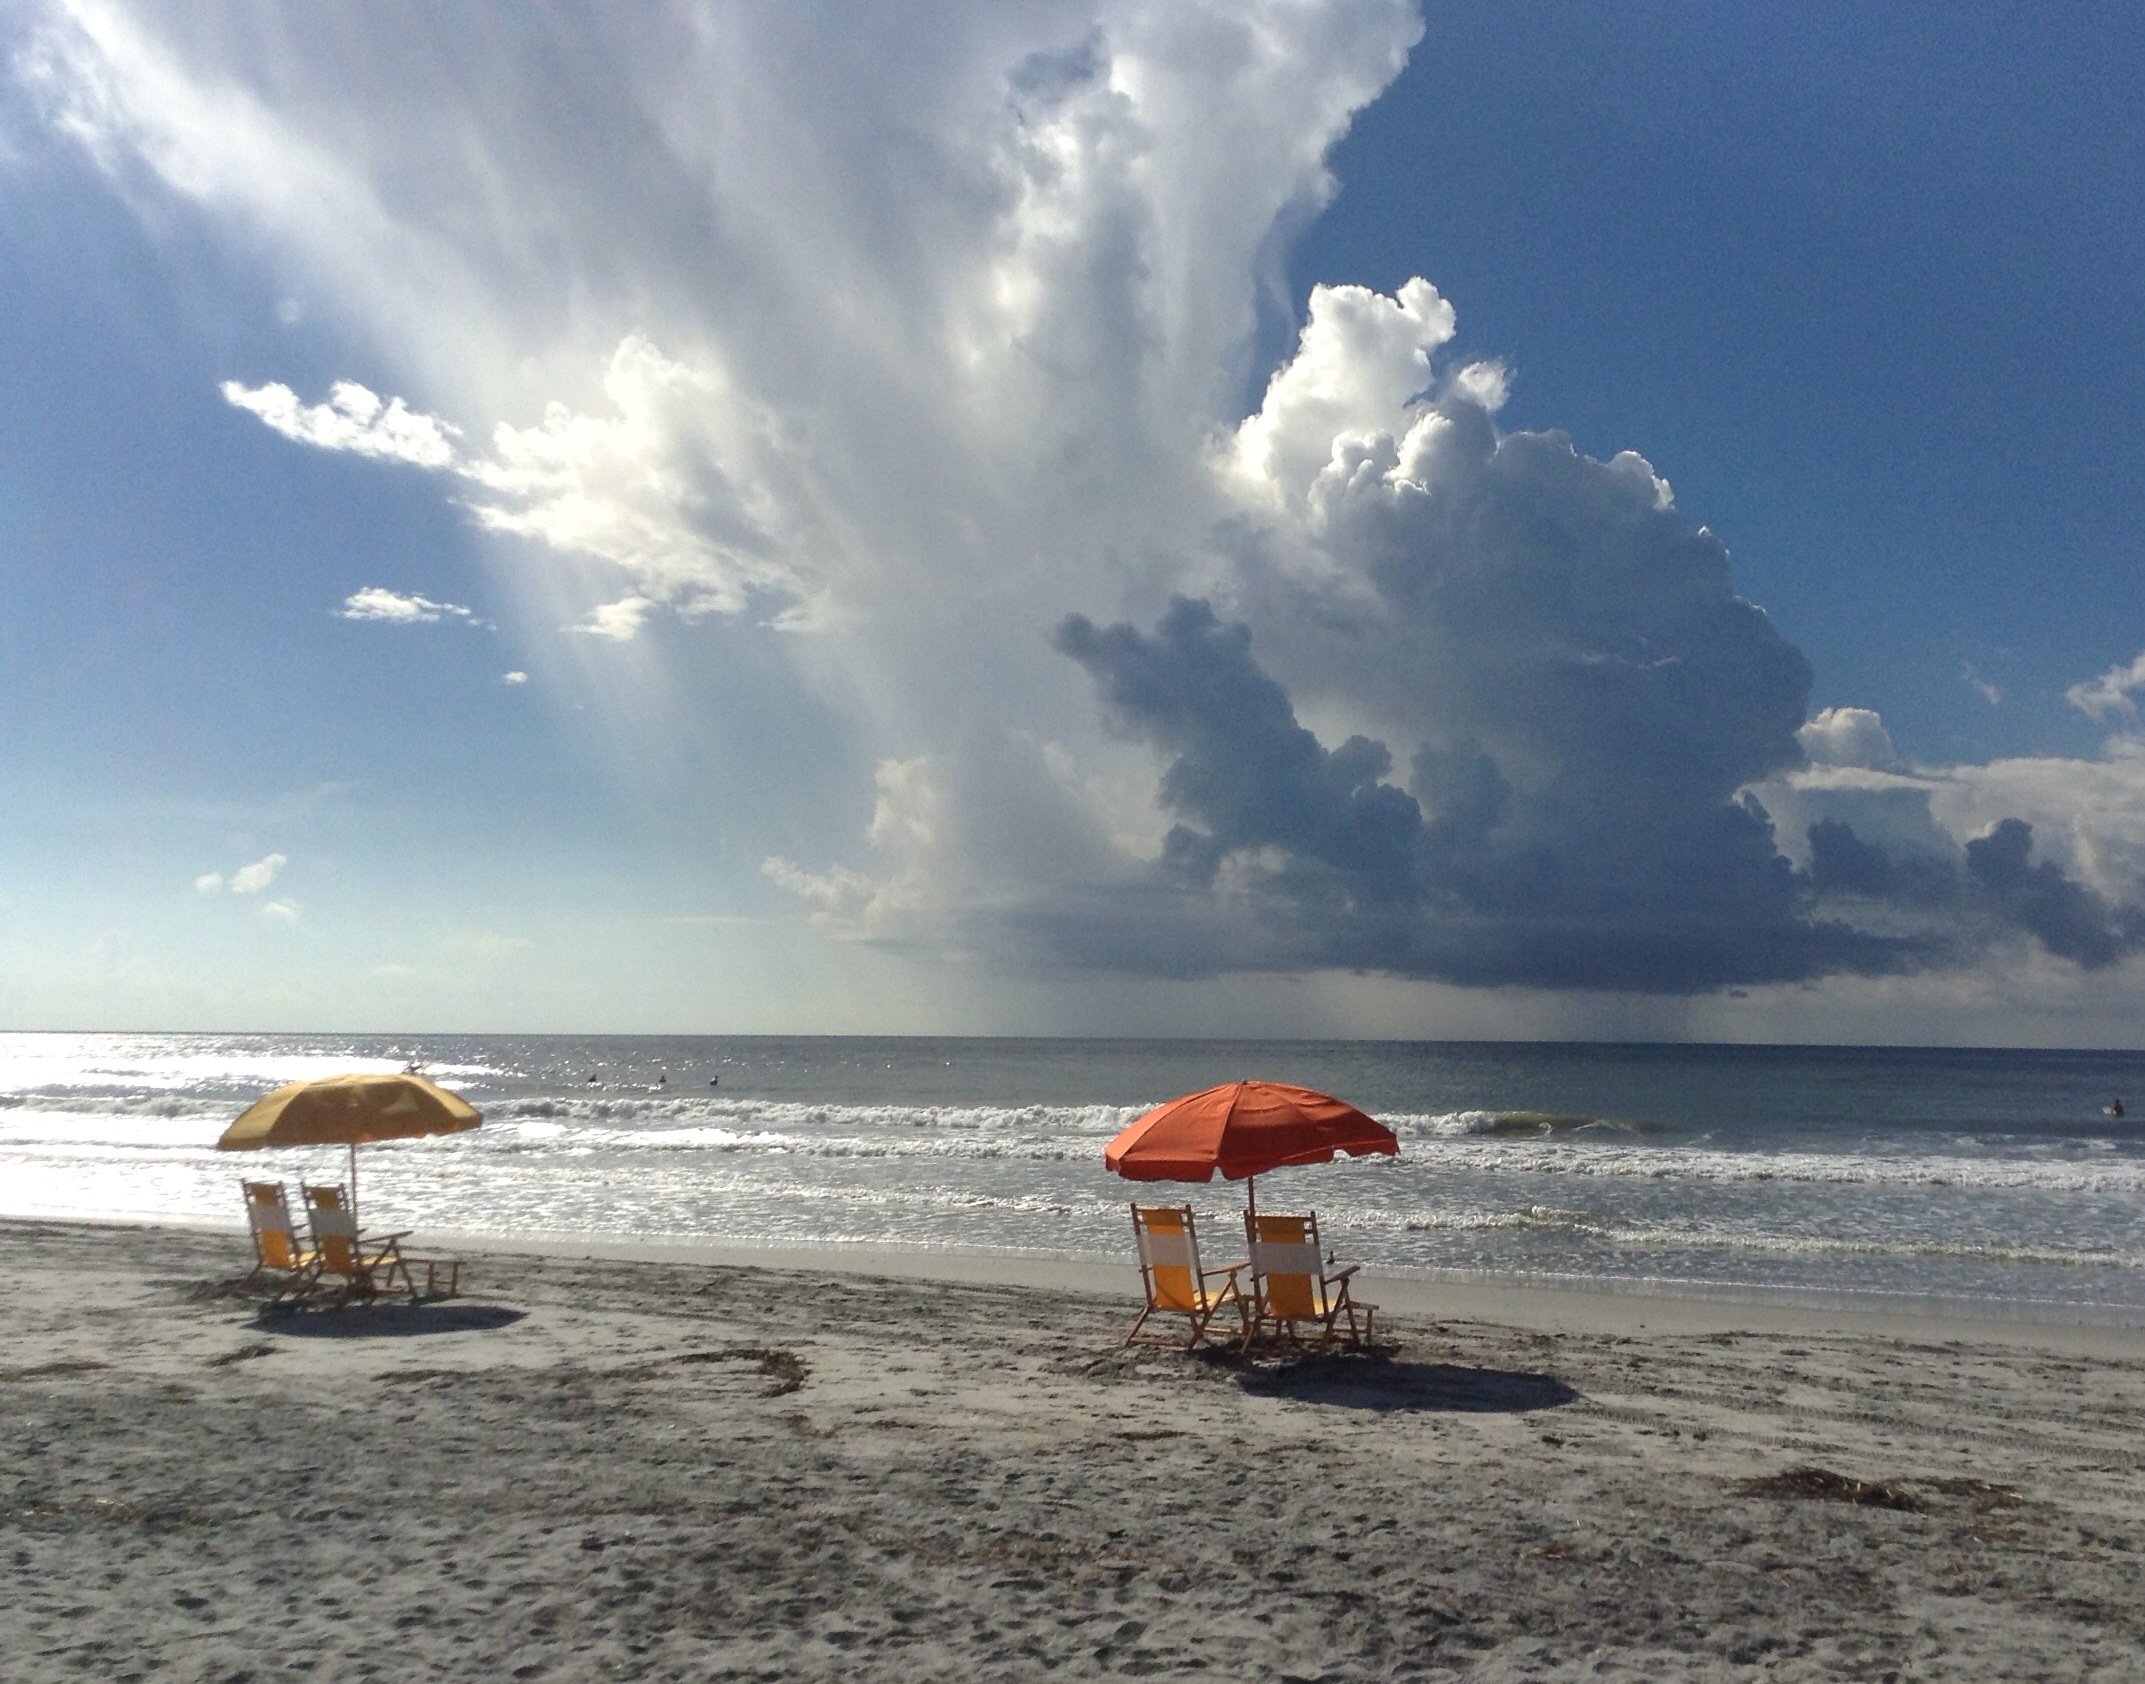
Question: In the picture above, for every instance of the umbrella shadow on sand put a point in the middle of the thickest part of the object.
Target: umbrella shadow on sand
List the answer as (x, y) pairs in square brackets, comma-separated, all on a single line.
[(386, 1321), (1379, 1381)]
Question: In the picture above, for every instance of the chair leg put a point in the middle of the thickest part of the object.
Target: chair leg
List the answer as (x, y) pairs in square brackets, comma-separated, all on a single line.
[(298, 1284)]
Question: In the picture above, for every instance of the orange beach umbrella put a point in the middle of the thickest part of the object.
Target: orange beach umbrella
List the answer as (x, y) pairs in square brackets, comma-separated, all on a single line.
[(348, 1111), (1241, 1130)]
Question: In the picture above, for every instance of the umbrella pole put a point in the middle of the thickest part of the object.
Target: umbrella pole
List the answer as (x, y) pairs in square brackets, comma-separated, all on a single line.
[(353, 1184), (1251, 1187)]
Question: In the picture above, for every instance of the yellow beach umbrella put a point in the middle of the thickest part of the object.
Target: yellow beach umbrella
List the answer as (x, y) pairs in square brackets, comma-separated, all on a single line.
[(348, 1111)]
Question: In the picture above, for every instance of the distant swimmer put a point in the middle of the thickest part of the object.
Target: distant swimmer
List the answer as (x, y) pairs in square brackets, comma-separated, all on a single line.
[(413, 1068), (714, 1081), (2114, 1107)]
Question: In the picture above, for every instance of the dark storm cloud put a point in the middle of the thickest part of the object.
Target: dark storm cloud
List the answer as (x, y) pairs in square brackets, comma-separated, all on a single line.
[(1993, 885), (1245, 770), (1289, 855), (2067, 918), (1843, 863)]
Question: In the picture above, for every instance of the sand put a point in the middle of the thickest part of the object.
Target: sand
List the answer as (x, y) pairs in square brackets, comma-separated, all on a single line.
[(655, 1469)]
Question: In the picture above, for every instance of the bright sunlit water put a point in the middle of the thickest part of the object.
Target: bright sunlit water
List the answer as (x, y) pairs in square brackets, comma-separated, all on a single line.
[(1971, 1179)]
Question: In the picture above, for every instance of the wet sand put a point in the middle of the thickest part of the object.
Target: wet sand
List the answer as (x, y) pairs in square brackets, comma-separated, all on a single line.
[(640, 1468)]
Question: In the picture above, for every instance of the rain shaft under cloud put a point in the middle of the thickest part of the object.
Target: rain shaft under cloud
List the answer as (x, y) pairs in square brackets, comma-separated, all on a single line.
[(925, 341)]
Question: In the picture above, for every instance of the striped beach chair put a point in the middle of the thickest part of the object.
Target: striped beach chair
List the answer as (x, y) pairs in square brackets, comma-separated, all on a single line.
[(1168, 1241), (365, 1265), (276, 1251), (1293, 1298)]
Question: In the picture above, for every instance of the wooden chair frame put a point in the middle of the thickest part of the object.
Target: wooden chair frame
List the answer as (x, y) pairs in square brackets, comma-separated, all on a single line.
[(276, 1250), (1167, 1237), (1294, 1299), (366, 1264)]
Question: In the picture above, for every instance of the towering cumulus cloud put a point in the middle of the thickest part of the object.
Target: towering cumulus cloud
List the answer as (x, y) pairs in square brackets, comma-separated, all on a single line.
[(928, 341), (1549, 651)]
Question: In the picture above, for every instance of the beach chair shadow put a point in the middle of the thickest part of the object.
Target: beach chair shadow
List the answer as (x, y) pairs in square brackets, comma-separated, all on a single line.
[(1375, 1379), (389, 1321)]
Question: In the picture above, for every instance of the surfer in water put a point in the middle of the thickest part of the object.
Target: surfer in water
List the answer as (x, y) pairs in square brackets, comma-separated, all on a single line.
[(2114, 1107)]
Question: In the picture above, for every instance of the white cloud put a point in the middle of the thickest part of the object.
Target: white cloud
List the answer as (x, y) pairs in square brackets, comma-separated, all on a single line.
[(677, 486), (353, 418), (827, 367), (375, 602), (246, 880), (280, 911), (1485, 384), (618, 622), (838, 896), (2112, 697), (1360, 361), (252, 879), (1848, 737), (513, 678)]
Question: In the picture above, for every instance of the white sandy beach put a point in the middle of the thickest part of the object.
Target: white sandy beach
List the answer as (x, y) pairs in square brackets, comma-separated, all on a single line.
[(621, 1468)]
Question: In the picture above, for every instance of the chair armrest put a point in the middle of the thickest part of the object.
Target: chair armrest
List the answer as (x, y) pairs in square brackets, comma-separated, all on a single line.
[(385, 1239), (1227, 1269), (1340, 1276)]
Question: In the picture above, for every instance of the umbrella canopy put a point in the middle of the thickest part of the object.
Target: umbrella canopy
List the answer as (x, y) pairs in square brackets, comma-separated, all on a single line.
[(1243, 1129), (348, 1111)]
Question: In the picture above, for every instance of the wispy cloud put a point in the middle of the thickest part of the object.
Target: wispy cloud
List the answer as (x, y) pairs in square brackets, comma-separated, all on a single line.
[(245, 880), (2111, 698), (353, 418), (674, 486), (375, 602), (620, 621)]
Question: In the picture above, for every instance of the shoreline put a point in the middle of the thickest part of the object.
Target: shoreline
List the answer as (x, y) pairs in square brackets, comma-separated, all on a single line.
[(1606, 1305)]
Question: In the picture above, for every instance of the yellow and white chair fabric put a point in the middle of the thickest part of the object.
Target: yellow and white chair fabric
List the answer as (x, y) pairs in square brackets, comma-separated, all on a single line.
[(366, 1265), (1168, 1240), (1294, 1299), (276, 1250)]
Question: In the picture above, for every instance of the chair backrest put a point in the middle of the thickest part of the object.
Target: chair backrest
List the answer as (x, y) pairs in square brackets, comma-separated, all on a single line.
[(335, 1235), (1287, 1266), (1168, 1242), (275, 1238)]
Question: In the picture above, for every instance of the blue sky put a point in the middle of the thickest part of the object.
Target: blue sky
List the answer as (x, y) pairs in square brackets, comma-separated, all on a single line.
[(783, 439), (1852, 276)]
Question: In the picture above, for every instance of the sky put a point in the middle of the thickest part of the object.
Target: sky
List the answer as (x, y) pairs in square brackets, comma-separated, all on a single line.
[(1256, 518)]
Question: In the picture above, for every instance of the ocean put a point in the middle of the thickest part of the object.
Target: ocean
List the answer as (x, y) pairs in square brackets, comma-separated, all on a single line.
[(1983, 1182)]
